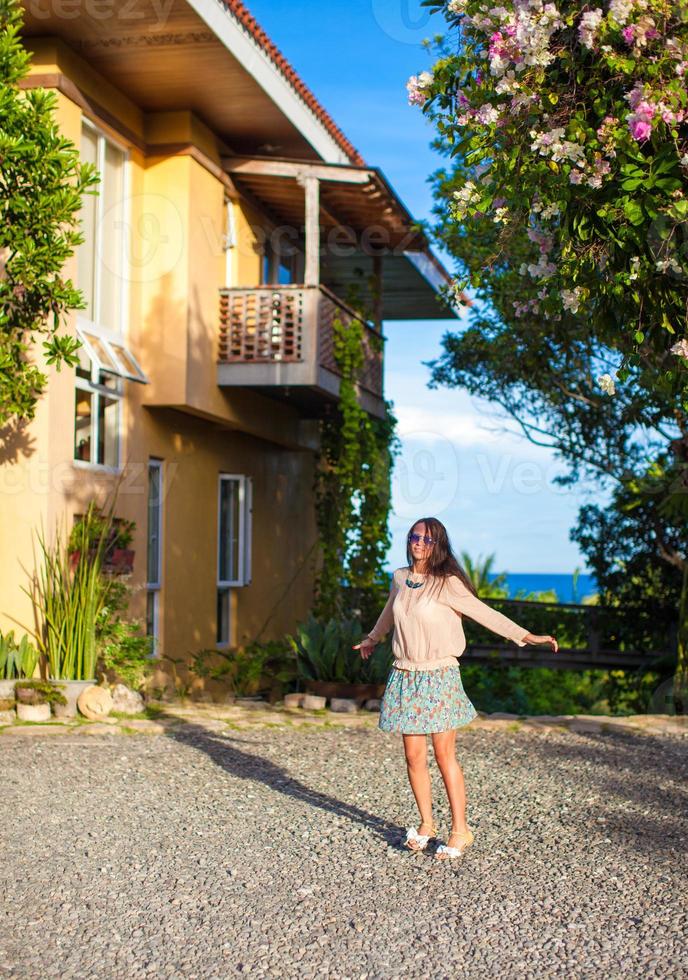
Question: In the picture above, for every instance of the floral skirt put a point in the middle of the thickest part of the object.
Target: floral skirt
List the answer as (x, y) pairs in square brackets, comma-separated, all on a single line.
[(420, 702)]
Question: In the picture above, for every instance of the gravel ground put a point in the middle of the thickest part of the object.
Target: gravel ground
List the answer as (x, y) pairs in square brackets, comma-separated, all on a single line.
[(276, 853)]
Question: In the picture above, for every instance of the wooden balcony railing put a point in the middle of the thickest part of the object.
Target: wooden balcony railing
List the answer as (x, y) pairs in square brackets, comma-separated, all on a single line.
[(292, 325)]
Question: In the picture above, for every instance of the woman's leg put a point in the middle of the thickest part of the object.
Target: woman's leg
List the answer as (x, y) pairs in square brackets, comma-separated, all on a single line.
[(444, 746), (416, 752)]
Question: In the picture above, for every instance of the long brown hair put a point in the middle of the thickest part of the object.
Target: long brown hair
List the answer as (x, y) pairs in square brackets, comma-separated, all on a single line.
[(442, 561)]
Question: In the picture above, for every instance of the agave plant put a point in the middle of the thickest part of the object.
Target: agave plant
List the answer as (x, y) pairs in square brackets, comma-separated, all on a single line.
[(17, 659), (324, 653)]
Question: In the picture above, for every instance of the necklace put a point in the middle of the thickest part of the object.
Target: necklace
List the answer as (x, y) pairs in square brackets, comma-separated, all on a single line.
[(414, 585)]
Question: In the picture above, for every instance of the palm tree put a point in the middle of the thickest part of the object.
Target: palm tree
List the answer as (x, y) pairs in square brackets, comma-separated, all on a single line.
[(479, 572)]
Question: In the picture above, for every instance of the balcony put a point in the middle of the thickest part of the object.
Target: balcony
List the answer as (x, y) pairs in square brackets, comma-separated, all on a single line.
[(280, 340)]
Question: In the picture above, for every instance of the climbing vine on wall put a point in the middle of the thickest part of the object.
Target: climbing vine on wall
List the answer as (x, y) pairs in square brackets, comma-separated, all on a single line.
[(353, 478)]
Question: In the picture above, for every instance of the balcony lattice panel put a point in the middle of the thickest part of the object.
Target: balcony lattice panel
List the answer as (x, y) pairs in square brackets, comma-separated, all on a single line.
[(370, 374), (261, 325)]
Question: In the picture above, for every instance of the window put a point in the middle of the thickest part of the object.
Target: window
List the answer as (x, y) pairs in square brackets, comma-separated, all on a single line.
[(101, 257), (279, 268), (229, 241), (97, 414), (235, 495), (105, 361), (154, 551)]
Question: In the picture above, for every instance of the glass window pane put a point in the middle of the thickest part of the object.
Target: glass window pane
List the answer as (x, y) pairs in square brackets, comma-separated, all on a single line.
[(154, 524), (88, 217), (101, 351), (85, 367), (126, 359), (110, 267), (83, 419), (229, 531), (222, 616), (108, 431)]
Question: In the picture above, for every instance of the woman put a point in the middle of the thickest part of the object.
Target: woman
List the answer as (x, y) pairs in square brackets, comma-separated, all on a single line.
[(424, 694)]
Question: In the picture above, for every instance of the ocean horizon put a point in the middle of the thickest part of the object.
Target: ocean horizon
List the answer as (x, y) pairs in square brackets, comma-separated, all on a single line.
[(560, 582)]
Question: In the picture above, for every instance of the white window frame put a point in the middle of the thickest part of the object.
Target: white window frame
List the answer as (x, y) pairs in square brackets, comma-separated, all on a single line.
[(102, 138), (154, 588), (97, 391), (244, 536), (245, 485)]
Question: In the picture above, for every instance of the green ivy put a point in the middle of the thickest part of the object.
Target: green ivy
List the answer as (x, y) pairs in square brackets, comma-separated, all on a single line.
[(352, 484)]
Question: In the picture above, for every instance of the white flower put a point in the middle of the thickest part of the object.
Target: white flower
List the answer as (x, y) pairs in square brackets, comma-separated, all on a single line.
[(571, 299), (620, 10), (589, 23), (606, 383), (500, 215), (635, 265), (681, 348)]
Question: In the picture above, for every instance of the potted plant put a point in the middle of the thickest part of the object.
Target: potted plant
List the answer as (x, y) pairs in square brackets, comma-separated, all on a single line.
[(119, 557), (329, 667), (34, 699), (17, 660)]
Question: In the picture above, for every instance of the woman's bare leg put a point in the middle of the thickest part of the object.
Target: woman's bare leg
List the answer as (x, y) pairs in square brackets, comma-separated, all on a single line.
[(416, 752), (444, 746)]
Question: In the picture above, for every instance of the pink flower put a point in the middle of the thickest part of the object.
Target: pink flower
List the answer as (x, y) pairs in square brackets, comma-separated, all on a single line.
[(640, 129), (628, 34)]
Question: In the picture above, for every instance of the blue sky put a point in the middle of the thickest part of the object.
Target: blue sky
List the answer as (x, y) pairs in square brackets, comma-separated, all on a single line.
[(493, 490)]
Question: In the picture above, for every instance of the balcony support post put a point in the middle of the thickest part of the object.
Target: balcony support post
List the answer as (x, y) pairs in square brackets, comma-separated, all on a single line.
[(311, 186), (377, 292)]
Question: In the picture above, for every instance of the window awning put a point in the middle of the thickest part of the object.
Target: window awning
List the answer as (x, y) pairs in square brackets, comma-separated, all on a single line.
[(110, 353)]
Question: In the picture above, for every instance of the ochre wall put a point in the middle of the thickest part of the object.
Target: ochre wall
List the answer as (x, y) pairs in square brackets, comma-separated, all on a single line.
[(182, 417)]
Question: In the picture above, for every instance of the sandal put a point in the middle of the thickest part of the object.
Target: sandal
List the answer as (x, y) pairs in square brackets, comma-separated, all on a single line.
[(454, 852), (418, 842)]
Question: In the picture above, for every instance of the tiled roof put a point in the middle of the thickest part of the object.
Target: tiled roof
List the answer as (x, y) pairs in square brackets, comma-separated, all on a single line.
[(248, 21)]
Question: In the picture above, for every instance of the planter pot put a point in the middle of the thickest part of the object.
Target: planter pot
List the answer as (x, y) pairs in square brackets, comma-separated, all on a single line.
[(71, 690), (121, 562), (33, 712), (7, 695), (355, 692)]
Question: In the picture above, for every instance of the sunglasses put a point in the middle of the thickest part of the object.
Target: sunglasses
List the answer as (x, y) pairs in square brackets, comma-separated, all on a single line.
[(416, 539)]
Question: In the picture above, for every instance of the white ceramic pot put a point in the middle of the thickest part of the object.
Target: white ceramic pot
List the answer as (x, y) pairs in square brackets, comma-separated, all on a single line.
[(33, 712)]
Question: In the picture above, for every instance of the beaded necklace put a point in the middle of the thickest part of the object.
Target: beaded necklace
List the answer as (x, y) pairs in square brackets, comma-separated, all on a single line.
[(414, 585)]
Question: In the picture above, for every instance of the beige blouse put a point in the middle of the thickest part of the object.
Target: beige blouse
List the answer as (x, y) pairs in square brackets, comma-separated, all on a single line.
[(428, 630)]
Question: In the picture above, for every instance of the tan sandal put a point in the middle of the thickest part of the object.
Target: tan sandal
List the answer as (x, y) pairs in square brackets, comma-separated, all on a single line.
[(418, 842), (445, 852)]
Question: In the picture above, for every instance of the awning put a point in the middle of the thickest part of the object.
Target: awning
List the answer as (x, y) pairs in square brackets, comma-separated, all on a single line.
[(109, 353)]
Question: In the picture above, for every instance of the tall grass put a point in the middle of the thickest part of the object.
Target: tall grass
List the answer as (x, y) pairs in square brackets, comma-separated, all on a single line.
[(68, 595)]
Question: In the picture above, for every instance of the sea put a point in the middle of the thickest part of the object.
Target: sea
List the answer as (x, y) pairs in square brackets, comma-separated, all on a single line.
[(560, 582)]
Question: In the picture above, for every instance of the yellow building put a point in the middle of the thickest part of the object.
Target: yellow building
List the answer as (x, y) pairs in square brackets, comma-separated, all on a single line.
[(232, 216)]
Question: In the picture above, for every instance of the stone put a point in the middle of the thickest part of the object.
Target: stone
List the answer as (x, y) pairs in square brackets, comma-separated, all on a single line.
[(7, 716), (33, 712), (95, 702), (503, 714), (342, 704), (313, 702), (126, 701), (372, 704), (293, 700)]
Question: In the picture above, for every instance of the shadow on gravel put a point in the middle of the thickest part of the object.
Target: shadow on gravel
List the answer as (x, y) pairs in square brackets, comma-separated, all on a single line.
[(619, 768), (227, 756)]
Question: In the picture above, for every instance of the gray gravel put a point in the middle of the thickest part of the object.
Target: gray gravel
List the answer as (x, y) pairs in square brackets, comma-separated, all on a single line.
[(276, 853)]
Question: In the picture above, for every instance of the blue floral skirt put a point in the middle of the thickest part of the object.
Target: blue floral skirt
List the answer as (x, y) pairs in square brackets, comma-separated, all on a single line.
[(420, 702)]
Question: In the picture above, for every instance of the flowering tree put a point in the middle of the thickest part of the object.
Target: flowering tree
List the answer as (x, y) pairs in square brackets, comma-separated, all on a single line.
[(567, 211), (570, 124)]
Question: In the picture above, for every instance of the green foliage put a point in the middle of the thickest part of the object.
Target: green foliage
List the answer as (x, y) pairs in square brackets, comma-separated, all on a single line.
[(68, 598), (534, 690), (324, 652), (17, 659), (38, 692), (247, 670), (123, 647), (40, 197), (89, 529), (352, 481)]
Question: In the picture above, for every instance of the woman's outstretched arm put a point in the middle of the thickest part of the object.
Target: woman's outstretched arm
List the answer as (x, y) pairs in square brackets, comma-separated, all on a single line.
[(463, 601), (386, 618)]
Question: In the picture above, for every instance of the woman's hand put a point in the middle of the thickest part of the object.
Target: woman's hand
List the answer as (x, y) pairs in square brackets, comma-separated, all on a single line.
[(366, 646), (534, 640)]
